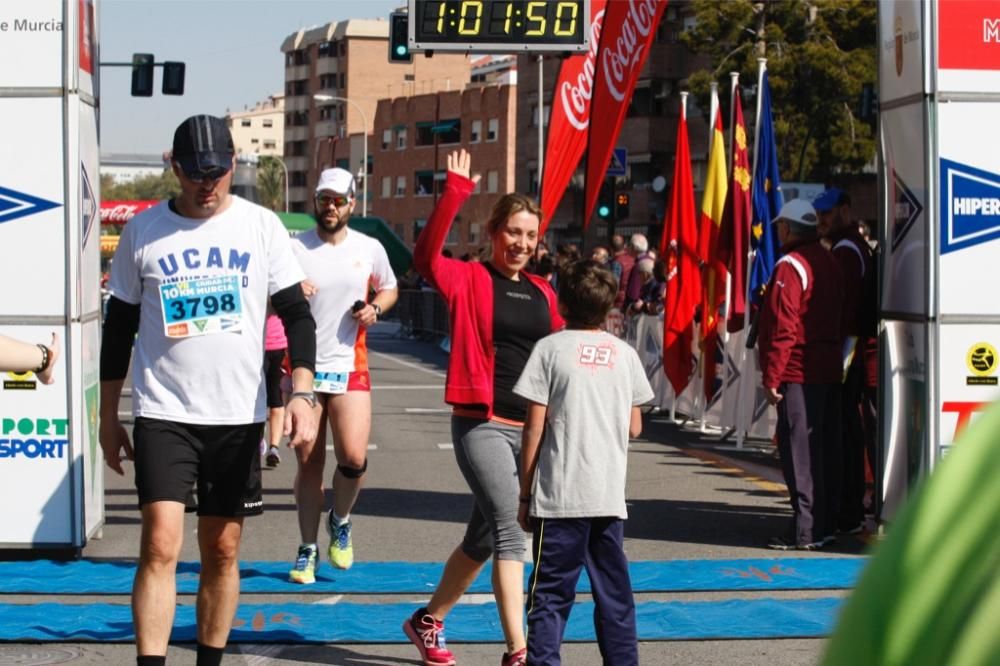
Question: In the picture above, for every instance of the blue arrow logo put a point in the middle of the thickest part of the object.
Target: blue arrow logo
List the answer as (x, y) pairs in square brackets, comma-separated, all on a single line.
[(15, 204), (970, 206), (88, 205), (907, 209)]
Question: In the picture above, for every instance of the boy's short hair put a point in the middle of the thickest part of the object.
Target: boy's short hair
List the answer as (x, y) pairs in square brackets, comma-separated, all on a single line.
[(587, 291)]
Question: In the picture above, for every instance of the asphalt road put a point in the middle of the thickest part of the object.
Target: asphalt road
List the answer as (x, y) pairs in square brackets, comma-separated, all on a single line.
[(684, 503)]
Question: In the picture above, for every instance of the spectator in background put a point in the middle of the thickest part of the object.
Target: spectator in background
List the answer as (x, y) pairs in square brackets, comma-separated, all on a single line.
[(601, 256), (546, 269), (799, 343), (638, 247), (649, 288), (275, 348), (621, 261)]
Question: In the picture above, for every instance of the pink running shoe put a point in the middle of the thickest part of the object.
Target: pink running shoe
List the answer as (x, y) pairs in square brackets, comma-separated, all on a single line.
[(428, 635), (519, 658)]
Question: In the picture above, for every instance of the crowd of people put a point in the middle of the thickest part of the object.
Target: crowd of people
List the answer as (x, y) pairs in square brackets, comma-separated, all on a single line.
[(207, 290)]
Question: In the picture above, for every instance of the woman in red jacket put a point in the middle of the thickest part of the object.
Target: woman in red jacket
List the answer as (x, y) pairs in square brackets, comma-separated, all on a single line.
[(497, 312)]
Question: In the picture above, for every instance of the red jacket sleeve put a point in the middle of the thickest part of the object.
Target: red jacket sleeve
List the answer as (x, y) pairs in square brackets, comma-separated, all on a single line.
[(440, 271), (779, 322)]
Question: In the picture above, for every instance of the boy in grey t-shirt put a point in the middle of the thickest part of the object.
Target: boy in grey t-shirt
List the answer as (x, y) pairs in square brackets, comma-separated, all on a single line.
[(584, 387)]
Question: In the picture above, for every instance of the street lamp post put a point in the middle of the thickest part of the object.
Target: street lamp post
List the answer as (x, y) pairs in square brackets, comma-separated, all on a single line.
[(364, 144)]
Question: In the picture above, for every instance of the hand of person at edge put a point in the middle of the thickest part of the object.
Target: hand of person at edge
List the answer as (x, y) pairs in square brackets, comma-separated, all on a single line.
[(773, 397), (300, 424), (115, 441), (522, 517), (460, 162), (45, 376)]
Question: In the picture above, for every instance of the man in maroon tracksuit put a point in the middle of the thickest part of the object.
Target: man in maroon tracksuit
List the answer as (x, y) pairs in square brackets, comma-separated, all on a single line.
[(857, 264), (799, 345)]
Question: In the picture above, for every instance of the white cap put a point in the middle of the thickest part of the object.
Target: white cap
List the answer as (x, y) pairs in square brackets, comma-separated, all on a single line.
[(337, 180), (799, 211)]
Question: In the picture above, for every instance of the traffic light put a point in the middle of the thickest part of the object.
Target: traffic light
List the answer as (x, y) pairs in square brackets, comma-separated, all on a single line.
[(606, 201), (399, 46), (621, 206), (142, 75), (173, 78)]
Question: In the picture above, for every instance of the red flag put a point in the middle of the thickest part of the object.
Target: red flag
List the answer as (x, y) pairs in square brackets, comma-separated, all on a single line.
[(714, 281), (734, 238), (679, 246), (570, 118), (626, 35)]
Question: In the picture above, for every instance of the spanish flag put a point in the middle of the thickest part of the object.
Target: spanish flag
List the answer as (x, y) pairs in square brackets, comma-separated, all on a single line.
[(713, 202)]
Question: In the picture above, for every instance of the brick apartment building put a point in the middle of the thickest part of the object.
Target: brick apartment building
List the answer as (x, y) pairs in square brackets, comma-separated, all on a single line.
[(347, 60), (413, 136)]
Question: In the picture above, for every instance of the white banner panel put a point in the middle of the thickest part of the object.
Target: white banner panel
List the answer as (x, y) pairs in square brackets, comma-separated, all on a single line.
[(905, 254), (35, 452), (88, 406), (968, 46), (31, 44), (969, 221), (905, 423), (902, 63), (84, 55), (32, 215), (968, 377)]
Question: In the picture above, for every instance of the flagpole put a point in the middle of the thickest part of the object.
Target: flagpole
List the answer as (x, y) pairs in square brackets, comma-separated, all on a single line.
[(699, 396), (673, 403), (742, 426)]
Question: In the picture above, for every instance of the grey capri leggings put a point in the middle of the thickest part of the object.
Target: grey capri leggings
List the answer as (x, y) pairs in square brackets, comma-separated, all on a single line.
[(489, 455)]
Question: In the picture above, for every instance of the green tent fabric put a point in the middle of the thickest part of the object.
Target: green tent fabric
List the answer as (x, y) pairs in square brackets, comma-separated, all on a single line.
[(931, 594), (400, 256)]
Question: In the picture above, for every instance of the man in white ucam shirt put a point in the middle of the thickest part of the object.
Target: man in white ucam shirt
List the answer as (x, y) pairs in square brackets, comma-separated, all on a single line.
[(343, 267), (192, 276)]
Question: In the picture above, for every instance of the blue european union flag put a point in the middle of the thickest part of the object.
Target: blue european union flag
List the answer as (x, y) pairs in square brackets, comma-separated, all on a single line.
[(766, 198)]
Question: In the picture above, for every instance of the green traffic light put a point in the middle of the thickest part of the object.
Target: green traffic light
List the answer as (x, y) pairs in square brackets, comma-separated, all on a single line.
[(400, 50), (603, 211)]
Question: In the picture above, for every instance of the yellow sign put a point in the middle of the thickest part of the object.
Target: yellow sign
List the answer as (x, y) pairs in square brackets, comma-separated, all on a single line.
[(109, 244), (982, 362)]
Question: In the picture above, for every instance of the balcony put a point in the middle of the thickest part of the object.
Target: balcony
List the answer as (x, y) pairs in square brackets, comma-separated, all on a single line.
[(297, 133), (297, 103), (327, 128), (296, 72), (298, 194), (300, 163), (328, 66)]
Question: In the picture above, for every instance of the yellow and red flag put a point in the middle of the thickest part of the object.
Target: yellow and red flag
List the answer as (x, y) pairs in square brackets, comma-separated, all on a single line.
[(734, 239), (680, 248), (713, 202)]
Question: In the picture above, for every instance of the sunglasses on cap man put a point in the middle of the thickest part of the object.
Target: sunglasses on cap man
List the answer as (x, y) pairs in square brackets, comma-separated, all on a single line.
[(338, 200), (201, 175)]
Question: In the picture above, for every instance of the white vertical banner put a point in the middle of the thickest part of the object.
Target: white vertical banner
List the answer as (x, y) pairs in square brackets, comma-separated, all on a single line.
[(903, 65), (967, 377), (31, 44)]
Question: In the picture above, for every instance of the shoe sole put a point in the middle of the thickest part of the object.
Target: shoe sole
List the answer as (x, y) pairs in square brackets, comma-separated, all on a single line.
[(291, 579), (273, 462), (411, 633)]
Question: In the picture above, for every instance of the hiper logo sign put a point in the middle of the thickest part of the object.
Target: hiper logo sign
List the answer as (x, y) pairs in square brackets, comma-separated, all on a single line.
[(970, 206)]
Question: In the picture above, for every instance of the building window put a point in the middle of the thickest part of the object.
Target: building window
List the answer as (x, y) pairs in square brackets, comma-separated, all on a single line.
[(295, 148), (302, 57), (386, 139), (270, 144), (492, 181), (386, 187), (297, 178), (473, 233), (328, 81), (477, 131), (400, 186), (449, 130), (423, 183), (492, 129), (254, 140), (326, 112), (418, 226), (401, 138), (534, 115), (453, 235), (245, 122), (268, 122), (425, 134), (343, 48), (343, 79), (400, 230), (533, 180)]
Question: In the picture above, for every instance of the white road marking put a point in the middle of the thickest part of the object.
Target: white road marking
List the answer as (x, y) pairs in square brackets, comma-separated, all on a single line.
[(408, 387), (446, 446), (330, 600), (428, 410), (415, 366), (371, 447), (259, 655)]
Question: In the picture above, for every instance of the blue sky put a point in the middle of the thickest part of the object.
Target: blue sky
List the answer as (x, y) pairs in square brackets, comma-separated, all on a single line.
[(232, 52)]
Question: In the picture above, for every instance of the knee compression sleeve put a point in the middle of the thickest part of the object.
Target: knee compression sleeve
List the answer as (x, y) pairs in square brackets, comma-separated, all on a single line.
[(353, 472)]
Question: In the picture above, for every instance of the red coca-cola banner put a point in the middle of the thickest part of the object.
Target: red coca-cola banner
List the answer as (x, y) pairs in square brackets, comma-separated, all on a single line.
[(626, 35), (570, 118), (120, 212)]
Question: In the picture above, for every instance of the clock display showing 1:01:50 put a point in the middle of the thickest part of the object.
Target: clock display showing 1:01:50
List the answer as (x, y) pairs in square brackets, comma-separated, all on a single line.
[(528, 23)]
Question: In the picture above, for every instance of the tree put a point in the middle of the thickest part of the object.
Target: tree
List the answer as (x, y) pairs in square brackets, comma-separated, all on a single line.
[(157, 187), (271, 183), (819, 54)]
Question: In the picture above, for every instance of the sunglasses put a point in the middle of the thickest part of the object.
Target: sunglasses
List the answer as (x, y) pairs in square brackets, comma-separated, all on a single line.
[(214, 173), (338, 201)]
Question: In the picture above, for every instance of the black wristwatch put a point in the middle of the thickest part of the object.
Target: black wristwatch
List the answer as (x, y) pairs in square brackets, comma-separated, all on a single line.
[(378, 309), (308, 396)]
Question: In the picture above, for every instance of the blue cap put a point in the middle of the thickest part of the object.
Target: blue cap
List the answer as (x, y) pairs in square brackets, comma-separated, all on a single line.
[(828, 200)]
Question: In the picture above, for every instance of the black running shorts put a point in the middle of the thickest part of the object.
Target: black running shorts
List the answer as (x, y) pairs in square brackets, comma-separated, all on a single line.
[(223, 460), (272, 377)]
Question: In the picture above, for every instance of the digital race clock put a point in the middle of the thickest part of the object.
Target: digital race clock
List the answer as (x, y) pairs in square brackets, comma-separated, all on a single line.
[(499, 25)]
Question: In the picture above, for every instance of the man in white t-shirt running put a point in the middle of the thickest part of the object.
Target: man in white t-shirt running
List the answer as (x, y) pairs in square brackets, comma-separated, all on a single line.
[(343, 267), (192, 276)]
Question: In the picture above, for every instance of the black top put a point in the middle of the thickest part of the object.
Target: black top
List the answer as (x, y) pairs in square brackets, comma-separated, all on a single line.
[(520, 318)]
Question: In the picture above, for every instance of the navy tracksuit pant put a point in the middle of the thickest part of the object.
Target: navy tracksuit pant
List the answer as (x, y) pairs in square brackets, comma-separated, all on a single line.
[(562, 547)]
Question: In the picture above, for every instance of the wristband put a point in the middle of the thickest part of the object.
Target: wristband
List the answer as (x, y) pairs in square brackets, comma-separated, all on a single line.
[(308, 396), (45, 359)]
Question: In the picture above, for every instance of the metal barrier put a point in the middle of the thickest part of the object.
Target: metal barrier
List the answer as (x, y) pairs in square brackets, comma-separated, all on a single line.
[(422, 314)]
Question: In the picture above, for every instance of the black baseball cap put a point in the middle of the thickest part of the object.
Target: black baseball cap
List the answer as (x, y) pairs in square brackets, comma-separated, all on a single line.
[(201, 143)]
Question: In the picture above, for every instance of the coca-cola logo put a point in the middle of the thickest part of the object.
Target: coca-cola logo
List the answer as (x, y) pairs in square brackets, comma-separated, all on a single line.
[(119, 214), (576, 97), (621, 58)]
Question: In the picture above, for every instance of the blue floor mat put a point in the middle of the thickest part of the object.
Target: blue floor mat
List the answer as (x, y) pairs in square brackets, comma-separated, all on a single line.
[(115, 577), (380, 623)]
